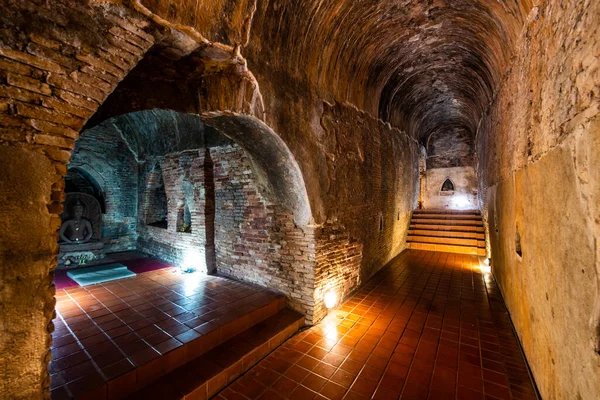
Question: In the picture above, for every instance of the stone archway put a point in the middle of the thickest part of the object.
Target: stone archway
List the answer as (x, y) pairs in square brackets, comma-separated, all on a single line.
[(57, 76), (274, 160), (273, 239), (60, 60)]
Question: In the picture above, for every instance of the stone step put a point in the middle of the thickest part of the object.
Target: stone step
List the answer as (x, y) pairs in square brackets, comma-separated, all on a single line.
[(454, 228), (448, 212), (424, 221), (198, 341), (447, 248), (458, 217), (446, 233), (446, 240), (206, 375)]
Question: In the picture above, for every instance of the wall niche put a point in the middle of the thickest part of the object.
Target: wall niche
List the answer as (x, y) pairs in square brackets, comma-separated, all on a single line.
[(155, 200)]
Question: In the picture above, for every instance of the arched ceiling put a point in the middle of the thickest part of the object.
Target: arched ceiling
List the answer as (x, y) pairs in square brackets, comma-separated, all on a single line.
[(429, 67), (158, 132)]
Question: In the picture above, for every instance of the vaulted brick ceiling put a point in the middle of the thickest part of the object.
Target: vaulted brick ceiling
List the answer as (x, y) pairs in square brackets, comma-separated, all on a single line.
[(429, 67)]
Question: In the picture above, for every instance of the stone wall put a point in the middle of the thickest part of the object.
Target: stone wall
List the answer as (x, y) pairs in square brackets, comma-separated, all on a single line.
[(58, 61), (106, 158), (537, 151), (255, 240), (337, 265), (371, 193), (187, 180), (464, 195)]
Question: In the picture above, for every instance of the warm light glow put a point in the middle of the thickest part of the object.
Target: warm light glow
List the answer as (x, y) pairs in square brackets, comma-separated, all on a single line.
[(331, 334), (191, 283), (484, 266), (330, 299), (192, 261), (461, 202)]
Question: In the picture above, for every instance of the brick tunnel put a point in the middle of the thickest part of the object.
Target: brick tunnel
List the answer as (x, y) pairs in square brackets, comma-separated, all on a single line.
[(299, 200)]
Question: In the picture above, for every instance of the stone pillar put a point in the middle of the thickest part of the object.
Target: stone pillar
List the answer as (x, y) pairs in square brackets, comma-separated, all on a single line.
[(29, 245)]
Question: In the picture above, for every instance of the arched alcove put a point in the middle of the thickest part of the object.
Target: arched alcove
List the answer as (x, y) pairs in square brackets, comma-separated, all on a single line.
[(447, 186), (81, 181), (228, 185), (154, 206)]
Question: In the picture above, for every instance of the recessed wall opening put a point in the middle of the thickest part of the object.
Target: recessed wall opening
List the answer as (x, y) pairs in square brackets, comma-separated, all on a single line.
[(155, 207), (79, 181), (518, 249), (184, 219), (215, 209), (447, 186)]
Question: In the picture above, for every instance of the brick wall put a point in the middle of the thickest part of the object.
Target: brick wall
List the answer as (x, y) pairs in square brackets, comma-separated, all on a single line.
[(373, 193), (538, 176), (104, 155), (255, 240), (187, 180), (54, 73), (337, 265)]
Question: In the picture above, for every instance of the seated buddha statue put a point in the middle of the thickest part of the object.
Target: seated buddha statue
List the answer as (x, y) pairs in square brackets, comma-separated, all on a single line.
[(77, 229)]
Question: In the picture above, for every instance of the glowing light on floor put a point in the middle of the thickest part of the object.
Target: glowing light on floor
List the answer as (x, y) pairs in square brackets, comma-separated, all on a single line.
[(193, 269), (485, 267), (191, 282), (193, 260), (331, 333), (330, 299)]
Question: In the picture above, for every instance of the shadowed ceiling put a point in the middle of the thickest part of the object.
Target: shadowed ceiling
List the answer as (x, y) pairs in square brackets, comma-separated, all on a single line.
[(429, 67)]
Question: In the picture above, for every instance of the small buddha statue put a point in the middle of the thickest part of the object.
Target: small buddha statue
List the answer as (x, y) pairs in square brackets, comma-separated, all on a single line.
[(78, 229)]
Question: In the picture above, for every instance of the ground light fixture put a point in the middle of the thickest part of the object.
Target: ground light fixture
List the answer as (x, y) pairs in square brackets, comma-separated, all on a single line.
[(330, 299), (485, 266), (192, 262)]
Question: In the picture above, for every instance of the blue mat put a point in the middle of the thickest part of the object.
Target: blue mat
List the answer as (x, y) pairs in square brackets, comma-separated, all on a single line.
[(104, 273)]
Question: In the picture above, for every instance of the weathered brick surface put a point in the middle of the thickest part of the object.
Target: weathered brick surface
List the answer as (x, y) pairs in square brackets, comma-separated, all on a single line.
[(40, 47), (337, 265), (373, 194), (106, 158), (538, 168), (187, 180), (255, 241)]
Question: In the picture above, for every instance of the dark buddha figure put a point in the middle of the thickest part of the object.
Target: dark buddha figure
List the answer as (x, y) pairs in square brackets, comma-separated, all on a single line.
[(78, 229)]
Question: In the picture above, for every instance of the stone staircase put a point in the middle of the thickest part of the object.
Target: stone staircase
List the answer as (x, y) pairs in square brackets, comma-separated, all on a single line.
[(223, 344), (447, 230), (205, 376)]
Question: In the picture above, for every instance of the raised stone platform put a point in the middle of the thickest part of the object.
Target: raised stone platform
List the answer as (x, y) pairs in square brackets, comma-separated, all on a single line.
[(114, 338)]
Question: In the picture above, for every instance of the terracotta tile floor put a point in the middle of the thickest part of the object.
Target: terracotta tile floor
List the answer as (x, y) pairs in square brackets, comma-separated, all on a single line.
[(430, 325), (103, 331)]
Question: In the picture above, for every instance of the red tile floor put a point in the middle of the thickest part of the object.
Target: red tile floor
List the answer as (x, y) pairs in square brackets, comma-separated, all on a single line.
[(429, 325), (106, 330)]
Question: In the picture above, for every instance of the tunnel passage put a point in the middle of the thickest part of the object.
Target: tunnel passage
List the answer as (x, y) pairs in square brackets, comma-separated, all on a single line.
[(429, 68), (438, 69)]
